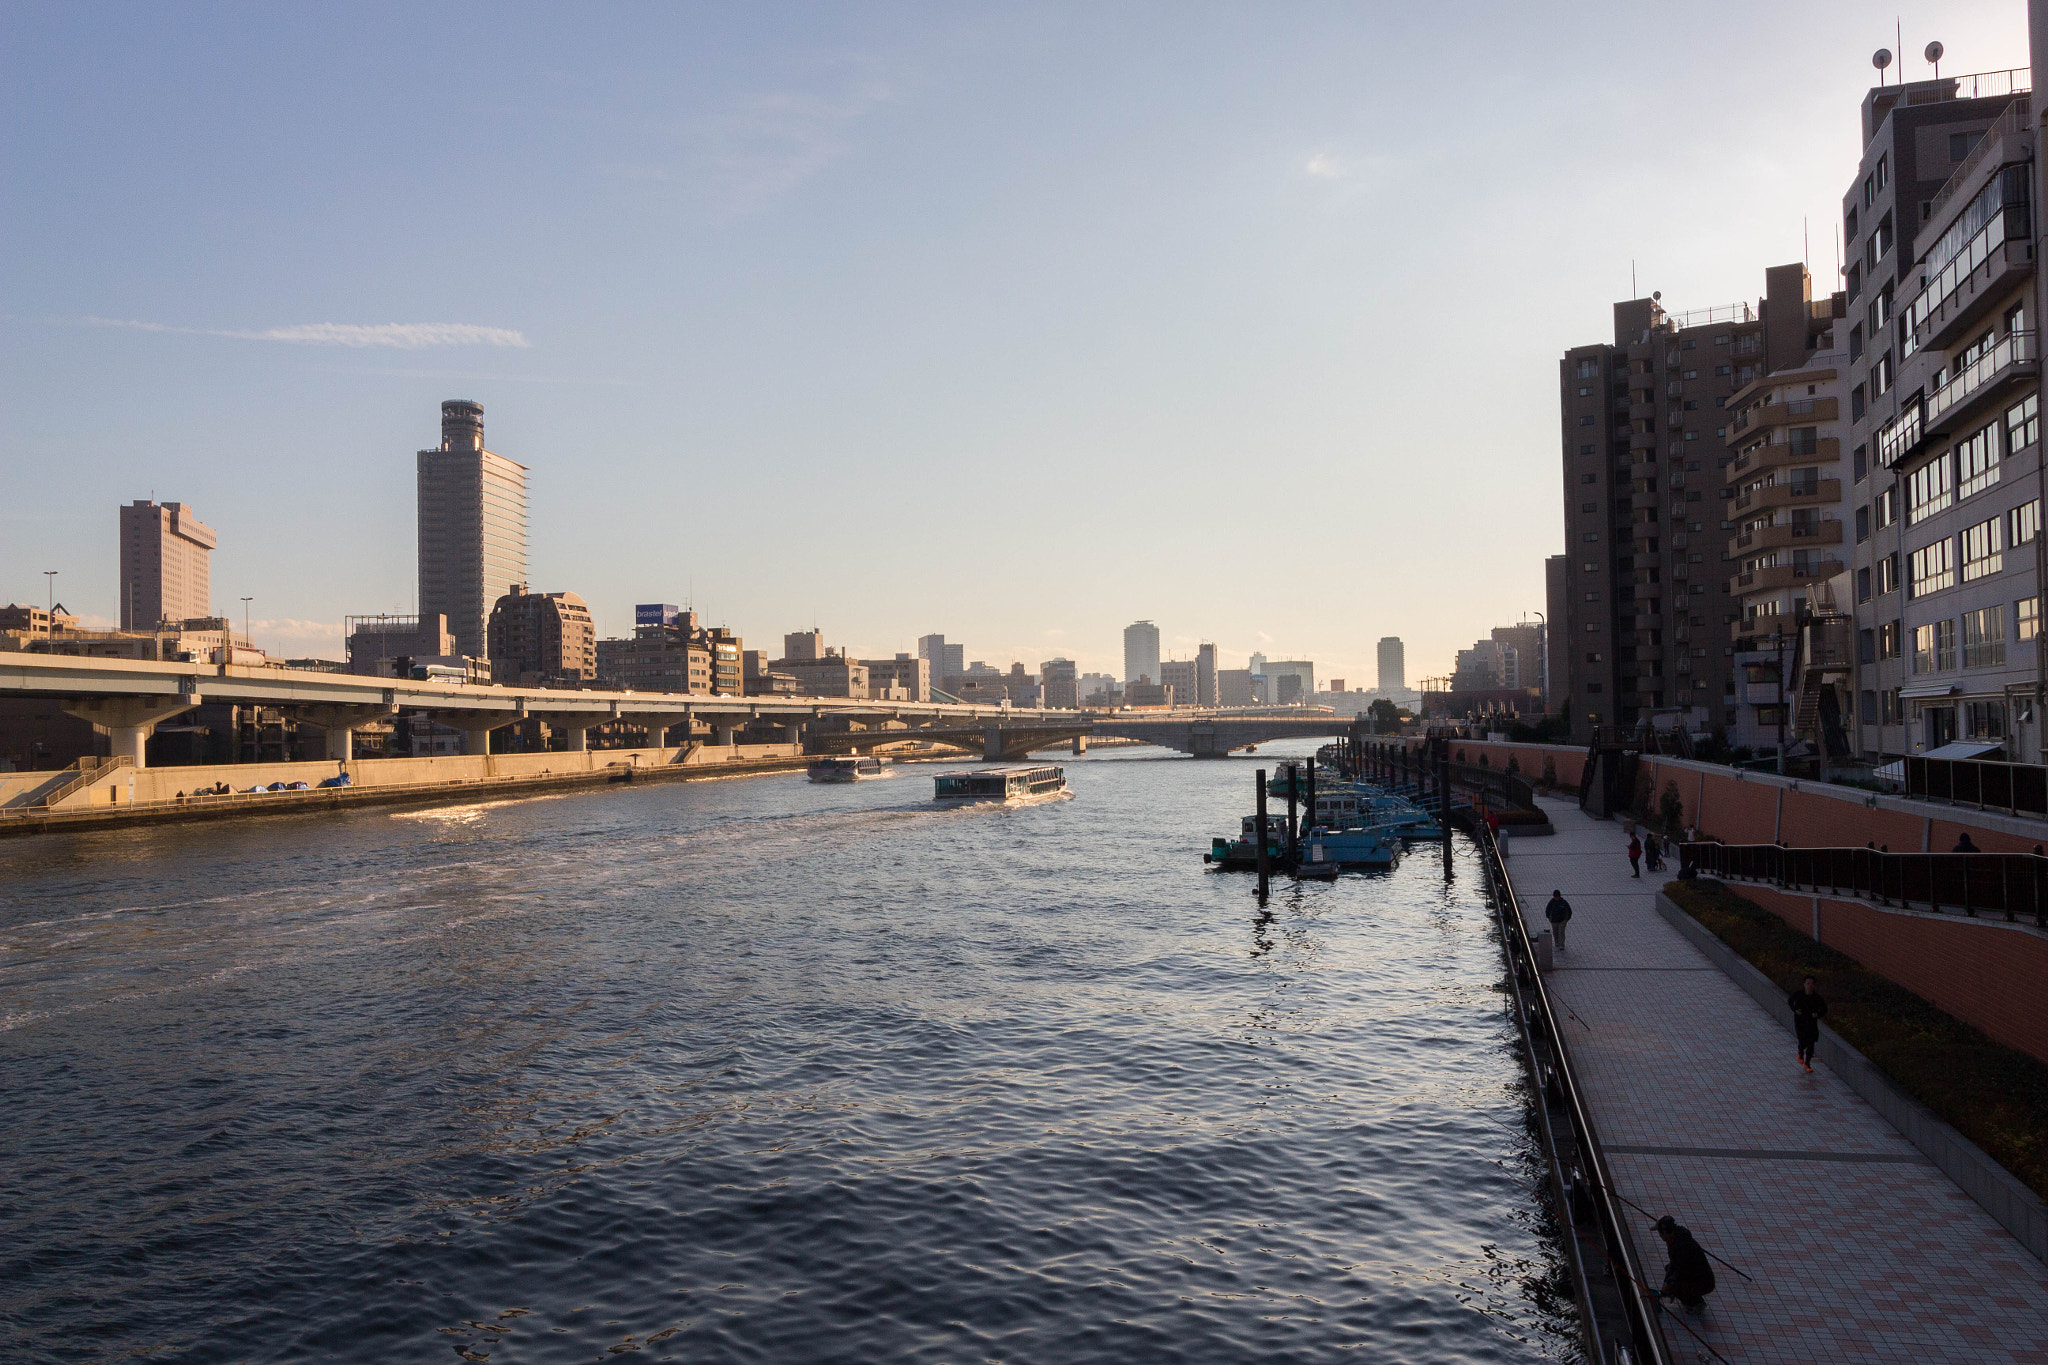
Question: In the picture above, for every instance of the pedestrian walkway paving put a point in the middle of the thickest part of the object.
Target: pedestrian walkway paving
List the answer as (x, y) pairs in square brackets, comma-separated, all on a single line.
[(1861, 1249)]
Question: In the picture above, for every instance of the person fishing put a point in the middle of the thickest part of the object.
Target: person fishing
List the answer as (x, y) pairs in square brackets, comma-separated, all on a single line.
[(1808, 1009), (1688, 1275)]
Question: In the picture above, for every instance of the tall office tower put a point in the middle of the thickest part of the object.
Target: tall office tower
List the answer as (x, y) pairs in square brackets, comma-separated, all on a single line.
[(1060, 681), (1141, 652), (1393, 665), (165, 564), (948, 661), (1205, 675), (1944, 418), (472, 510), (1647, 516)]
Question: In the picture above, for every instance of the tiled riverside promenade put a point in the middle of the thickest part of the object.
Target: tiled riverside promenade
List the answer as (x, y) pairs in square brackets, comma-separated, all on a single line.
[(1860, 1248)]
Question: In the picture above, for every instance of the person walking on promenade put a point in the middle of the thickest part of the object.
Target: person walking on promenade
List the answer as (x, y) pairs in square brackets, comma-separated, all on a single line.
[(1808, 1009), (1688, 1277), (1635, 856), (1653, 853), (1559, 913), (1963, 845)]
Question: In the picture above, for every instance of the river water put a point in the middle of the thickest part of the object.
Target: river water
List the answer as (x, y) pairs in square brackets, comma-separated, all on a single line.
[(760, 1071)]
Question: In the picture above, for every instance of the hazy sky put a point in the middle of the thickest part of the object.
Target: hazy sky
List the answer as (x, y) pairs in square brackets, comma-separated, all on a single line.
[(1015, 323)]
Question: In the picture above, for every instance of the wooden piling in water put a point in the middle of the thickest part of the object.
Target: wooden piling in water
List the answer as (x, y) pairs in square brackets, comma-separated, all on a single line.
[(1265, 863)]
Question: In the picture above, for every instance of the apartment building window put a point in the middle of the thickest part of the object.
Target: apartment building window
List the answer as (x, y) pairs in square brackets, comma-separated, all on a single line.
[(1976, 462), (1888, 637), (1984, 638), (1862, 524), (2026, 618), (1863, 585), (1881, 376), (1589, 478), (1867, 708), (1959, 144), (1888, 573), (1984, 720), (1591, 567), (1932, 568), (1856, 403), (1890, 710), (1934, 647), (1866, 646), (1879, 313), (1983, 549), (1587, 420), (1721, 371), (2022, 424), (1929, 489), (1855, 343), (2025, 523), (1887, 507), (1803, 440), (1589, 369), (1862, 462)]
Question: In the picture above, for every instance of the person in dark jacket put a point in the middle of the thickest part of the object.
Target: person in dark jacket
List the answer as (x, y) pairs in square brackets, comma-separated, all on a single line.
[(1963, 845), (1559, 913), (1688, 1276), (1808, 1009), (1635, 856)]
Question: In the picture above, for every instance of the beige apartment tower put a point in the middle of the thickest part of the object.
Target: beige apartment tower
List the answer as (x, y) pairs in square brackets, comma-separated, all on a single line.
[(472, 508), (166, 572)]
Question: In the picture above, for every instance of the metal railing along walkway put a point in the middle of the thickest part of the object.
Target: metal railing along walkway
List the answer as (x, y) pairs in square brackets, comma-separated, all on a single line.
[(2009, 884)]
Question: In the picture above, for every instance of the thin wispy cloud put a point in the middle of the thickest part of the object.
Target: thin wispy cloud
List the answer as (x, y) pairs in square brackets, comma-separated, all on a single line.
[(1324, 166), (403, 336), (739, 159)]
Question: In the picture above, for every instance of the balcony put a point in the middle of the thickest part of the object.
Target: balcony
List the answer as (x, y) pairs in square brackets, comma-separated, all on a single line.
[(1900, 437), (2012, 357), (1783, 576), (1783, 455), (1795, 536), (1817, 493), (1964, 290), (1791, 413)]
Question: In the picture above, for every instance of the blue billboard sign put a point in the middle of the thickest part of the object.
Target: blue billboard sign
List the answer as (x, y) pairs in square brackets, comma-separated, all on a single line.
[(655, 613)]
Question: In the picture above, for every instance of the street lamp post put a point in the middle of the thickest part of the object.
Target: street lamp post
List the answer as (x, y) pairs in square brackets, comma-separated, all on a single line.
[(1778, 643), (50, 577), (245, 619)]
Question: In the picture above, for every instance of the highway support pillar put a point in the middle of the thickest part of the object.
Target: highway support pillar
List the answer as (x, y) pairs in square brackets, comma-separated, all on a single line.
[(1080, 745), (340, 722), (130, 721), (575, 727), (724, 732), (991, 743)]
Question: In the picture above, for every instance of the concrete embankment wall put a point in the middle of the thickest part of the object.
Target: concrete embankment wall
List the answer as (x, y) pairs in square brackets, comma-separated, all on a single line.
[(125, 795)]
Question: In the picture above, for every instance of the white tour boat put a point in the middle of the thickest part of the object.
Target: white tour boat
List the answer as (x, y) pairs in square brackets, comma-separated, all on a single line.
[(849, 768), (1011, 783)]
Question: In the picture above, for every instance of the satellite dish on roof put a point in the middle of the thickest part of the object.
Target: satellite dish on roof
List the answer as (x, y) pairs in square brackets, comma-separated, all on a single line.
[(1881, 59), (1933, 55), (1657, 296)]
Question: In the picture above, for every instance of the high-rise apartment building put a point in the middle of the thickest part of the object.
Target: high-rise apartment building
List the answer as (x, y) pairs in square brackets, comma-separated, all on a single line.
[(472, 511), (947, 661), (1647, 511), (1393, 665), (541, 637), (1061, 684), (804, 646), (913, 676), (166, 573), (1942, 235), (1141, 652)]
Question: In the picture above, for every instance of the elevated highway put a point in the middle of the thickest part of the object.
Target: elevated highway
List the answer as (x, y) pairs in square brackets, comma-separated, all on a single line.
[(129, 698)]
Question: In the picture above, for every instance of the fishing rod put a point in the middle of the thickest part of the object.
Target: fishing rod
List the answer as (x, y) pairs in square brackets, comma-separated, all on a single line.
[(1653, 1219)]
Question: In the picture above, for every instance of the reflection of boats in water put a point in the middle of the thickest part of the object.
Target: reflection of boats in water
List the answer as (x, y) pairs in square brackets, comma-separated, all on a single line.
[(849, 768), (1011, 783)]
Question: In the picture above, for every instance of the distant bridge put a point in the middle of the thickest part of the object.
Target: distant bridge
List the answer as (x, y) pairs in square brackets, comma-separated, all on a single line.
[(1202, 734)]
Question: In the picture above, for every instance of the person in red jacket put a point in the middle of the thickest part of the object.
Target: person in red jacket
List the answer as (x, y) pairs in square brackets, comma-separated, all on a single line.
[(1635, 856)]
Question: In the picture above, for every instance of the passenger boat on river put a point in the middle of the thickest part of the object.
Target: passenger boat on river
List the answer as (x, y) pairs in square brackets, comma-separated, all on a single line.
[(849, 768), (1014, 783)]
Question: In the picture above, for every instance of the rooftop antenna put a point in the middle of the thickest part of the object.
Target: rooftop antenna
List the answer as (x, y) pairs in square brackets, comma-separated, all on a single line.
[(1881, 59), (1805, 244), (1933, 55), (1631, 277)]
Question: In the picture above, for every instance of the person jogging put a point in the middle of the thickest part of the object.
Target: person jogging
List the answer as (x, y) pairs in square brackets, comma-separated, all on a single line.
[(1559, 913), (1688, 1276), (1635, 856), (1808, 1009)]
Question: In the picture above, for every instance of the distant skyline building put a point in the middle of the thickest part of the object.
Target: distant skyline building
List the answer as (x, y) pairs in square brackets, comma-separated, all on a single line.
[(1179, 674), (1205, 675), (1059, 683), (654, 613), (472, 527), (948, 661), (1393, 664), (166, 572), (1141, 652)]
